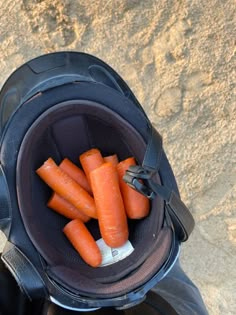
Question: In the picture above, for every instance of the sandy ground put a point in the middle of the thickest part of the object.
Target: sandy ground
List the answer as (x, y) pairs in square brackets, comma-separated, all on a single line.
[(179, 59)]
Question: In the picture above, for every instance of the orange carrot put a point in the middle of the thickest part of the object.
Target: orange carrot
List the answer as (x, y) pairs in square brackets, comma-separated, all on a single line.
[(90, 160), (83, 242), (112, 159), (76, 173), (65, 208), (110, 208), (67, 187), (136, 205)]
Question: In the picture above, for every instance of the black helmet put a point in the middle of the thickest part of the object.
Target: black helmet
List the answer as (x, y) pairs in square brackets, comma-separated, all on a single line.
[(60, 105)]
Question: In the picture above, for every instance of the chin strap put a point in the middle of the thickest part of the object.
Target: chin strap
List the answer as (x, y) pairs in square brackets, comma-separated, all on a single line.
[(140, 179), (24, 272)]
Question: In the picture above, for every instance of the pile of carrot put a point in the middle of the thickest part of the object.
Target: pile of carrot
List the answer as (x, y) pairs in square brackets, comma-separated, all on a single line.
[(96, 190)]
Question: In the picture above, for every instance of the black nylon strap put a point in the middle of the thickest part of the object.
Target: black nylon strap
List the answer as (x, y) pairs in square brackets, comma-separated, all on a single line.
[(181, 217), (153, 154), (27, 277)]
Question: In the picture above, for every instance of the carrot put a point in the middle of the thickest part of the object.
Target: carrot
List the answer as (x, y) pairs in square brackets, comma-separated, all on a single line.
[(65, 208), (112, 159), (90, 160), (76, 173), (83, 242), (67, 187), (136, 205), (112, 218)]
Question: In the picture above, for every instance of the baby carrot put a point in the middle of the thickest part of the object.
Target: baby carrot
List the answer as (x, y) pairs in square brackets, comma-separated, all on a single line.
[(136, 205), (67, 187), (90, 160), (83, 242), (112, 218), (112, 159), (76, 173), (65, 208)]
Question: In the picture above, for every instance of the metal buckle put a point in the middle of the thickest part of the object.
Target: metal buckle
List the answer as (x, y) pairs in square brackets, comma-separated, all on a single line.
[(136, 177)]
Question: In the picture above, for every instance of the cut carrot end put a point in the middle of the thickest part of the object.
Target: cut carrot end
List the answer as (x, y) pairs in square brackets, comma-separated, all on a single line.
[(112, 159), (90, 160), (67, 188)]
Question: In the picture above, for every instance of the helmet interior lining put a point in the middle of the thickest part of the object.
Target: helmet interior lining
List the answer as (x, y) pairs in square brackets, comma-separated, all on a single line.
[(66, 130)]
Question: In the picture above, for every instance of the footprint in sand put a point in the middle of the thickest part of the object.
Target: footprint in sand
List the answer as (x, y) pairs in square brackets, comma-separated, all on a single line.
[(169, 103), (50, 19), (231, 229), (197, 80)]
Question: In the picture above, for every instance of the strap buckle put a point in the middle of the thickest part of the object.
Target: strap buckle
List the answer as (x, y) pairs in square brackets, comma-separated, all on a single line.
[(136, 177), (140, 179)]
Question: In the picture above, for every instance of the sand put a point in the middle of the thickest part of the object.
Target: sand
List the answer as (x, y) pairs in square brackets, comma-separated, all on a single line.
[(179, 59)]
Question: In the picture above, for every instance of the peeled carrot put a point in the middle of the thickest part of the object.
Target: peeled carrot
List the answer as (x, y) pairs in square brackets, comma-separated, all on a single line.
[(67, 187), (112, 159), (136, 205), (65, 208), (83, 242), (110, 208), (76, 173), (90, 160)]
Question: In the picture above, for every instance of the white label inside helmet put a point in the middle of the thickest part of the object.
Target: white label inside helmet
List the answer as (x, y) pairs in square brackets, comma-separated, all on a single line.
[(113, 255)]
